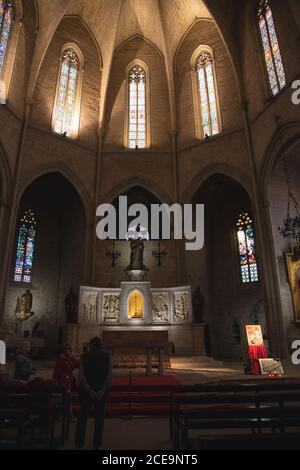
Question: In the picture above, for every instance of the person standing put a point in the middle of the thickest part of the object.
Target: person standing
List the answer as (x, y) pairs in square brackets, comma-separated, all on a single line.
[(95, 376), (65, 365)]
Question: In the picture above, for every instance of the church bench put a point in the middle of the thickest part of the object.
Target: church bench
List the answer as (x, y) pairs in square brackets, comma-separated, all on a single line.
[(253, 421), (278, 392), (40, 408), (11, 419)]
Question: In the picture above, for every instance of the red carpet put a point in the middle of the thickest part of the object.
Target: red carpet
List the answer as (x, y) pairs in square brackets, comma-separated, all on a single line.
[(143, 380), (150, 401)]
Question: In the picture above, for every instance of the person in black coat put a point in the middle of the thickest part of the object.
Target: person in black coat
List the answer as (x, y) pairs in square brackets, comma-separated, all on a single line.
[(95, 377)]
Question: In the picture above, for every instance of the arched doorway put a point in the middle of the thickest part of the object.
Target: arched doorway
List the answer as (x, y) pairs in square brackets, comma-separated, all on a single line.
[(223, 268), (48, 255)]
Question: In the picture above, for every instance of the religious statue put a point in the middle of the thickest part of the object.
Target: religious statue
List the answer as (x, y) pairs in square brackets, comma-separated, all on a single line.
[(137, 254), (71, 306), (136, 269), (24, 306), (198, 305)]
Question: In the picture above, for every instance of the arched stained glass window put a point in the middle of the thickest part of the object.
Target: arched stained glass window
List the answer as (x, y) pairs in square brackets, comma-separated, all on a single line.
[(6, 21), (210, 121), (25, 248), (271, 47), (136, 306), (246, 241), (137, 129), (65, 107)]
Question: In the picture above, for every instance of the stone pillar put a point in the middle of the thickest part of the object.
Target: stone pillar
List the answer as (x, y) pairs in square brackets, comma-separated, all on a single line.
[(266, 253), (96, 202), (13, 213)]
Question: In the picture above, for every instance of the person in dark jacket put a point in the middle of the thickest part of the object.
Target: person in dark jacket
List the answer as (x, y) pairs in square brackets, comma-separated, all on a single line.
[(95, 376)]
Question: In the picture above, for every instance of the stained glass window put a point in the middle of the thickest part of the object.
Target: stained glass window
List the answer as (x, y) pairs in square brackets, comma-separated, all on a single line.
[(137, 108), (207, 95), (246, 241), (25, 248), (67, 93), (6, 21), (271, 47)]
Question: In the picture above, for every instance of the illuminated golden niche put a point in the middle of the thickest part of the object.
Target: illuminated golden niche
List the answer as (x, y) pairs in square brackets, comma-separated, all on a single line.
[(136, 305)]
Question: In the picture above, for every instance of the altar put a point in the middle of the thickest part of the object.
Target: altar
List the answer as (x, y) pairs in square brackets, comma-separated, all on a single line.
[(138, 308)]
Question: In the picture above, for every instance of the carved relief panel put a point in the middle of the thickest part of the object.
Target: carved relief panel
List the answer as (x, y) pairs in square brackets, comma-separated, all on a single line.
[(111, 308), (89, 307), (161, 307)]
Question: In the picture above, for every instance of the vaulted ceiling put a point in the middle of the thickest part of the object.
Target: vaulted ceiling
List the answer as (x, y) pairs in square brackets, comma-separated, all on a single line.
[(112, 22)]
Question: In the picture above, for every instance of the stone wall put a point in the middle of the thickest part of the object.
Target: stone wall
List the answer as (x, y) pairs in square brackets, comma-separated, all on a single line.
[(278, 199), (241, 79)]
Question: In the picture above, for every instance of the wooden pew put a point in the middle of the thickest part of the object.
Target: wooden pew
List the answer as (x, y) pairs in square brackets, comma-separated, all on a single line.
[(40, 408), (12, 419), (188, 401)]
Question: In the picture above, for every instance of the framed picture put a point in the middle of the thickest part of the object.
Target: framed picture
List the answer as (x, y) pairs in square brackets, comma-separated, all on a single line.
[(254, 335), (270, 365), (293, 266)]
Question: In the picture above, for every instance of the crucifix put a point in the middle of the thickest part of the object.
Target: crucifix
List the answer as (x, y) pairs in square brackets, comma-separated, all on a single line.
[(113, 254), (159, 254)]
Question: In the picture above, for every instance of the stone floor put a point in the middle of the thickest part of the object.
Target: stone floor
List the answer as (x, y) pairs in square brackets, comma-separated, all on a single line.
[(128, 434)]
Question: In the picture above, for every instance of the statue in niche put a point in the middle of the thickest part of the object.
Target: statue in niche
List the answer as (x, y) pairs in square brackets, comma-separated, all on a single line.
[(71, 306), (198, 305), (111, 307), (181, 307)]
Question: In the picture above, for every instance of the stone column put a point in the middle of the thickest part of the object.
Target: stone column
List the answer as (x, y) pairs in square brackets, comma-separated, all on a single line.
[(13, 213), (266, 254), (96, 202)]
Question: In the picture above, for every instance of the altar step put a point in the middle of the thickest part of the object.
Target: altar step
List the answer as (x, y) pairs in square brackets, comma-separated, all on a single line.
[(195, 363)]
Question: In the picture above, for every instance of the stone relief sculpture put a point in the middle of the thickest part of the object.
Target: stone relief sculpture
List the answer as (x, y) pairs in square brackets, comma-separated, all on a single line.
[(160, 307), (111, 308), (181, 307), (89, 307)]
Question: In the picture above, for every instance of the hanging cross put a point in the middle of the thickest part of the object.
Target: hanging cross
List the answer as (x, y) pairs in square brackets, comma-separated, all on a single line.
[(113, 254), (159, 254)]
